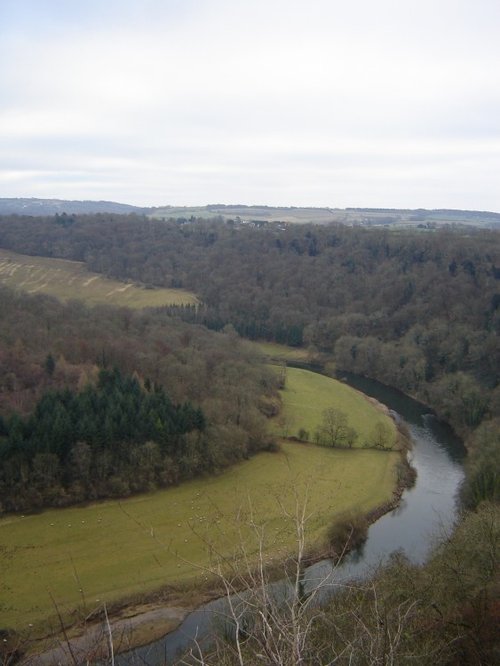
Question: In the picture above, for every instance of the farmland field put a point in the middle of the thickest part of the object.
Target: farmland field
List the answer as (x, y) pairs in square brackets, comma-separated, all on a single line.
[(395, 218), (70, 280), (86, 555)]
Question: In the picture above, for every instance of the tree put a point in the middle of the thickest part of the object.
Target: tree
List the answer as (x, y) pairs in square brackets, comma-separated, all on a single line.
[(461, 398), (351, 437), (334, 429), (380, 436), (303, 435), (282, 375), (3, 427), (49, 365), (482, 482)]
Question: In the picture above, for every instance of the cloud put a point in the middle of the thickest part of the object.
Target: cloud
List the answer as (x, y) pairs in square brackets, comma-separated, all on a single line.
[(392, 103)]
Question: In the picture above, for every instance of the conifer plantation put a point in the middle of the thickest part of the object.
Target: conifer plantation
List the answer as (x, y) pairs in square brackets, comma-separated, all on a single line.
[(107, 440)]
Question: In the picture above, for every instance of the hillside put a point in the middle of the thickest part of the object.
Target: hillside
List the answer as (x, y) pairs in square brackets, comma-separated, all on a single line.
[(68, 280), (394, 217), (400, 218), (418, 310)]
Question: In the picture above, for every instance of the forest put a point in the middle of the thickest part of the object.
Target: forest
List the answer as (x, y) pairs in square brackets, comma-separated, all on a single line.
[(109, 439), (71, 396), (417, 310)]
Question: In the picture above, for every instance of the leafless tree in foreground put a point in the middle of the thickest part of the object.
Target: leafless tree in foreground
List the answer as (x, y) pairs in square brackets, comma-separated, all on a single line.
[(404, 615), (289, 624)]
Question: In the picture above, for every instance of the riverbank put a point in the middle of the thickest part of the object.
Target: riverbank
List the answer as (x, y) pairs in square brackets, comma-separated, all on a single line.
[(98, 640), (133, 624), (462, 431), (324, 363), (125, 627)]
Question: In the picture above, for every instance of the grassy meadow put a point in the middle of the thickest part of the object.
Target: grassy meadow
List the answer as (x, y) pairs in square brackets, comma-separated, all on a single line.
[(70, 280), (87, 555), (276, 352), (307, 394)]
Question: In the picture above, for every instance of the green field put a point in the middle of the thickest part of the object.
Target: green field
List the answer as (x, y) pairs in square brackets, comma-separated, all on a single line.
[(276, 352), (70, 280), (307, 394), (86, 555), (83, 556)]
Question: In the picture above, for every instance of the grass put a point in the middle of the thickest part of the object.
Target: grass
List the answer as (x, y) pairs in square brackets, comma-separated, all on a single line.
[(276, 352), (70, 280), (307, 394), (86, 555)]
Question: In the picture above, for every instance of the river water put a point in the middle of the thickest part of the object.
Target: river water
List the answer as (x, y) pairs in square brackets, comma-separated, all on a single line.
[(426, 512)]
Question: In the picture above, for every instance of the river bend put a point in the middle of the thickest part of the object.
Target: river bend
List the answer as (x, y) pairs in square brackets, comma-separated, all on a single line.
[(426, 512)]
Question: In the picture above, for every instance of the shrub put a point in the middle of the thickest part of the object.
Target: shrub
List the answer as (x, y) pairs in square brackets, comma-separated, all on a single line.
[(349, 531)]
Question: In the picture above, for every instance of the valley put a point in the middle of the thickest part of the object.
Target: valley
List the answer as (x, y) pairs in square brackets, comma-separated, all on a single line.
[(233, 435)]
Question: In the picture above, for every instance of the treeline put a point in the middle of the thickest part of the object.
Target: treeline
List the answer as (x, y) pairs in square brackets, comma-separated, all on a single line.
[(110, 439), (54, 359)]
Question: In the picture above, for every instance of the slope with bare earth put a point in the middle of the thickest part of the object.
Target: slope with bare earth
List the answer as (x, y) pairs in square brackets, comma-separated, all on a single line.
[(71, 280)]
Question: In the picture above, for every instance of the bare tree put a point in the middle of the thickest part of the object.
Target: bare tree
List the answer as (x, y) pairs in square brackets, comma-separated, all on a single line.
[(380, 437), (266, 621), (293, 622), (334, 427)]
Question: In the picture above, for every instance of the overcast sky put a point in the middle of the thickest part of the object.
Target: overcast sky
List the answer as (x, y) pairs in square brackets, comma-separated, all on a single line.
[(385, 103)]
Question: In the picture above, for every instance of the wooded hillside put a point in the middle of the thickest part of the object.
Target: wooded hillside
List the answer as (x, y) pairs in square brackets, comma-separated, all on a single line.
[(406, 308), (192, 401)]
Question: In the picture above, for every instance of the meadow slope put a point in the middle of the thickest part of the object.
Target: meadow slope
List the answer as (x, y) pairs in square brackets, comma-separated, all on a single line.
[(71, 280)]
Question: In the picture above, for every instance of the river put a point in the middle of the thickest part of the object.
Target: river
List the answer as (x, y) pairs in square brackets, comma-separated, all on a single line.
[(426, 512)]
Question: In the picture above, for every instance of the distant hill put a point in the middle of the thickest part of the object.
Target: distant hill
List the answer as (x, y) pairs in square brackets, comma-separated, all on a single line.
[(53, 206), (424, 217), (395, 217), (258, 215)]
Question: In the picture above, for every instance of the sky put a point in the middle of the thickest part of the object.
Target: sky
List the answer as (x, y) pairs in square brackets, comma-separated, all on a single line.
[(364, 103)]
